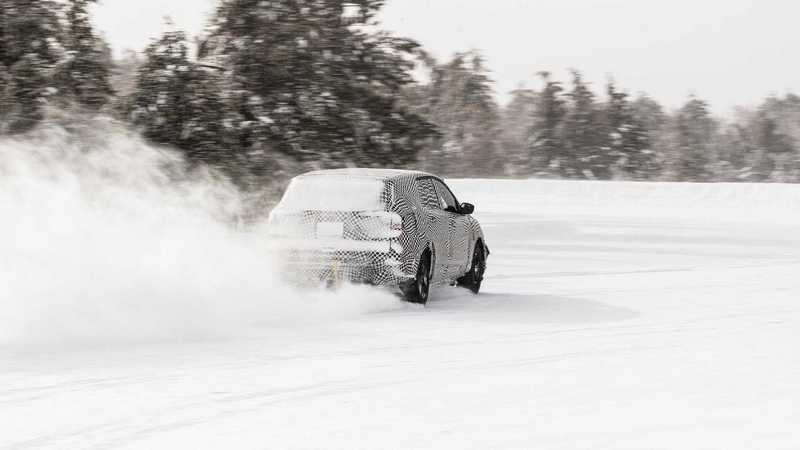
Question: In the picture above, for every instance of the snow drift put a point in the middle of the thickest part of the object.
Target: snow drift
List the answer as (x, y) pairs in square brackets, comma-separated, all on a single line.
[(105, 238)]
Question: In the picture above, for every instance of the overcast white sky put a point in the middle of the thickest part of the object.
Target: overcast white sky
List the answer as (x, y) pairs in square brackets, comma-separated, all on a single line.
[(731, 52)]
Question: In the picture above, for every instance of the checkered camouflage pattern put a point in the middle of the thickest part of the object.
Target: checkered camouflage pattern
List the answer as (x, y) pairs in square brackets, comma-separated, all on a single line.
[(381, 247)]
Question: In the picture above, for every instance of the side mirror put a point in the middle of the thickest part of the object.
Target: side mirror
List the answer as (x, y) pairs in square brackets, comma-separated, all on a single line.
[(467, 208)]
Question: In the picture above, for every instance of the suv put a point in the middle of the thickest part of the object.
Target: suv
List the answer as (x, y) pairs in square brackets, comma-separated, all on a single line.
[(396, 228)]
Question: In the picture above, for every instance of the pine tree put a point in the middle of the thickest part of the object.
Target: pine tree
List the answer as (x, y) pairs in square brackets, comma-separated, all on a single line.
[(733, 153), (84, 76), (29, 27), (314, 82), (462, 106), (516, 129), (28, 81), (5, 77), (650, 114), (177, 103), (583, 153), (546, 148), (776, 145), (30, 48), (694, 132), (5, 97), (123, 81), (628, 141)]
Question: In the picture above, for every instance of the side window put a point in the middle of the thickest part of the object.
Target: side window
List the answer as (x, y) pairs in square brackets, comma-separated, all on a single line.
[(446, 198), (427, 194), (388, 196)]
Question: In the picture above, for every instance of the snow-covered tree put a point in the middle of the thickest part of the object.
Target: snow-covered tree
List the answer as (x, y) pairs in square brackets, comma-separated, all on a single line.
[(583, 154), (516, 130), (460, 102), (627, 139), (84, 74), (123, 80), (177, 103), (776, 137), (5, 98), (547, 146), (315, 81), (30, 36), (693, 133)]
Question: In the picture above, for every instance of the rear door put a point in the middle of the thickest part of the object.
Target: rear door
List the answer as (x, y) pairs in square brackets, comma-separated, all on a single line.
[(438, 227), (459, 257)]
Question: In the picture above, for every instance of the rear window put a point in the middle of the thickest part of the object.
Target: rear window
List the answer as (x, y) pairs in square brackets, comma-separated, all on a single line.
[(427, 194), (334, 193)]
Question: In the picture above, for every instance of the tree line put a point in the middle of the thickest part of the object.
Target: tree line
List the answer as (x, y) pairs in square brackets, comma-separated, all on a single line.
[(274, 88)]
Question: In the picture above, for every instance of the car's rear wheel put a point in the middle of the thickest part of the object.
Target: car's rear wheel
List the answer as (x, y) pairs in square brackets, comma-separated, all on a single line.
[(419, 290), (473, 279)]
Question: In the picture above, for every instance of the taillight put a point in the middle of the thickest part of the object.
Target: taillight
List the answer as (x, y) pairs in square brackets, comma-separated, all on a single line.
[(283, 224), (382, 225)]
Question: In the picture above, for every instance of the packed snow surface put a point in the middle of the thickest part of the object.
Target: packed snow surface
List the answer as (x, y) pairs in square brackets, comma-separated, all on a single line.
[(614, 316)]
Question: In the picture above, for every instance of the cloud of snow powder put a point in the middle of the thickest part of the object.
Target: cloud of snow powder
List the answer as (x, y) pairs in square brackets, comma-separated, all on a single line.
[(104, 238)]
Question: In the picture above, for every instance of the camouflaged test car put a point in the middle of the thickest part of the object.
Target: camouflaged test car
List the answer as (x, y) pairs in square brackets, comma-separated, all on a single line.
[(396, 228)]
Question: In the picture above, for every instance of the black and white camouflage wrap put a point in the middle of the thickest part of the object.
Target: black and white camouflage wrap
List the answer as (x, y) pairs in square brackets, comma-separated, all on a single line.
[(365, 255)]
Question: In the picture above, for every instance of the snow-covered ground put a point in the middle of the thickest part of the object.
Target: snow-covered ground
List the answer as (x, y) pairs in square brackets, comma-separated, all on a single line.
[(614, 316)]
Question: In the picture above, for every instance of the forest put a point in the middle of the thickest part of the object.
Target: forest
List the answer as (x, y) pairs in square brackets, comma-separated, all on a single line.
[(274, 88)]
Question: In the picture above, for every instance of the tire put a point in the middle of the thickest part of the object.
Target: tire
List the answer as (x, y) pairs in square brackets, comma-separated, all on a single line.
[(418, 291), (473, 279)]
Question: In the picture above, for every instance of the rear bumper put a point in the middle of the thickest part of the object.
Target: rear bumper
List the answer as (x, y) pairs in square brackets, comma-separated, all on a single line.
[(363, 262)]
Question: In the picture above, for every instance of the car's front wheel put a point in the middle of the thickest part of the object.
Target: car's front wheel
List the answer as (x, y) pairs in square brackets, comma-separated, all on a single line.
[(473, 279), (419, 290)]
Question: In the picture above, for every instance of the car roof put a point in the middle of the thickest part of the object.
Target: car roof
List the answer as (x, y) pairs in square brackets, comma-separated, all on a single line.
[(382, 174)]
